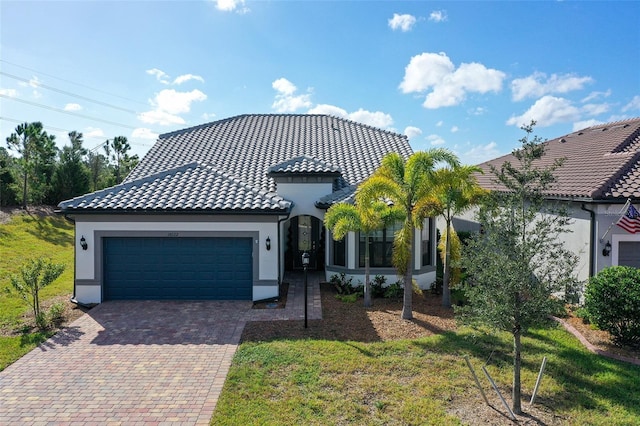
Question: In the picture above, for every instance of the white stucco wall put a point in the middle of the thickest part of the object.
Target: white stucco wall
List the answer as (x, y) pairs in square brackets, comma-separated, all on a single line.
[(90, 227)]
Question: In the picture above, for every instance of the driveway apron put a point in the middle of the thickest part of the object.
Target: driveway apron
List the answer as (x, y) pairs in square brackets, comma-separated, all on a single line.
[(144, 362), (128, 363)]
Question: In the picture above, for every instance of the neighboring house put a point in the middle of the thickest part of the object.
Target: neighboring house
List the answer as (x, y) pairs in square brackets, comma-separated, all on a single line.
[(601, 172), (223, 210)]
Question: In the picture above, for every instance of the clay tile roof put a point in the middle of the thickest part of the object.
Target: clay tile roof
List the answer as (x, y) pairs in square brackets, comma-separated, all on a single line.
[(601, 162), (250, 150), (192, 187)]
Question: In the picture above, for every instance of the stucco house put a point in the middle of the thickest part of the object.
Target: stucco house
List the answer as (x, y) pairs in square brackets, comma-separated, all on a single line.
[(600, 174), (224, 210)]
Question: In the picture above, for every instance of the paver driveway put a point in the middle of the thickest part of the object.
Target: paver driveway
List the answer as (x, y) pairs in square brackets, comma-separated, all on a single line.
[(128, 363), (139, 362)]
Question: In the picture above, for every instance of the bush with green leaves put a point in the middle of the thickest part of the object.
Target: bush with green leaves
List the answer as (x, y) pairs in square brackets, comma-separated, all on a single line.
[(344, 285), (612, 300), (378, 286), (394, 291), (34, 275)]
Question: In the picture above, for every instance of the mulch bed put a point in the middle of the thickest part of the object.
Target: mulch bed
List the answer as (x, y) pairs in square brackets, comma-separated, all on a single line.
[(352, 321)]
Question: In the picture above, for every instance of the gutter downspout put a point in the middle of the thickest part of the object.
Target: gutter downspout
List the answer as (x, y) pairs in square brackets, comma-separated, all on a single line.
[(75, 261), (592, 244)]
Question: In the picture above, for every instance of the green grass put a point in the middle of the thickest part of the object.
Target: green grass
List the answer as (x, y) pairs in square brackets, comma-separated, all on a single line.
[(318, 382), (26, 237)]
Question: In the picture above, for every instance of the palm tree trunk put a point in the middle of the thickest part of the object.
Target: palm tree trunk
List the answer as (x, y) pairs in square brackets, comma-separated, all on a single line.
[(407, 302), (446, 291), (367, 284)]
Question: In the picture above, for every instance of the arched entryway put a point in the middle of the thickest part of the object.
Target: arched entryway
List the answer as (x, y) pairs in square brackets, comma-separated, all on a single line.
[(304, 233)]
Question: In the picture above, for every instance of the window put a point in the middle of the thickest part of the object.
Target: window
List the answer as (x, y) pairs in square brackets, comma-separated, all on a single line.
[(380, 246), (339, 252), (425, 238)]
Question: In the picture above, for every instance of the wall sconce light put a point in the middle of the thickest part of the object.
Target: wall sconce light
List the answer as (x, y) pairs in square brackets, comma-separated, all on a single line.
[(83, 243), (268, 243), (606, 251)]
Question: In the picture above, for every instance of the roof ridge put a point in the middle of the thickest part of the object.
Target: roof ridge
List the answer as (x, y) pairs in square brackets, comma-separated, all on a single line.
[(625, 169), (627, 142)]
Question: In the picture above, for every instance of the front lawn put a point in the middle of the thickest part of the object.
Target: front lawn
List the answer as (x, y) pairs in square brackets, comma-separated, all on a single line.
[(286, 377), (27, 236)]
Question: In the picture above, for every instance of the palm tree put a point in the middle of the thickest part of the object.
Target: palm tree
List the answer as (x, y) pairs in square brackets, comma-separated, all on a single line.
[(406, 183), (456, 190), (343, 218)]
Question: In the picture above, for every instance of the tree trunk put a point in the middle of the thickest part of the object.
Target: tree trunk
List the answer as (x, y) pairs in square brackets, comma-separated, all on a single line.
[(407, 303), (24, 189), (516, 394), (367, 283), (446, 276)]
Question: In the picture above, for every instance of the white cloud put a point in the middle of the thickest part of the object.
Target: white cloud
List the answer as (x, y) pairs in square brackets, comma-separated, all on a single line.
[(371, 118), (168, 103), (449, 86), (329, 110), (595, 109), (144, 133), (454, 129), (186, 77), (438, 16), (231, 5), (93, 132), (579, 125), (72, 107), (160, 75), (596, 95), (537, 85), (547, 111), (439, 123), (412, 132), (208, 115), (435, 140), (12, 93), (403, 22), (478, 111), (633, 104), (478, 154), (286, 100)]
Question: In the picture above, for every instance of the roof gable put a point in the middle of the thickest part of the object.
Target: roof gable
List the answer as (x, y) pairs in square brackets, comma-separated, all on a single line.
[(601, 162), (192, 187), (303, 164)]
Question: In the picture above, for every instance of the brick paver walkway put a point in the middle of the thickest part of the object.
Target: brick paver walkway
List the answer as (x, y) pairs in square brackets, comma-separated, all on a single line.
[(147, 362)]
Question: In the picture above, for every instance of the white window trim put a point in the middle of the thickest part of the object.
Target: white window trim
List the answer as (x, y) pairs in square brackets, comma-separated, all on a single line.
[(615, 240)]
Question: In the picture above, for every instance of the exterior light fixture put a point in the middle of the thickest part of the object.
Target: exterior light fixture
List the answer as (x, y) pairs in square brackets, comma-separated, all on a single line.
[(606, 251), (268, 243), (305, 259), (83, 243)]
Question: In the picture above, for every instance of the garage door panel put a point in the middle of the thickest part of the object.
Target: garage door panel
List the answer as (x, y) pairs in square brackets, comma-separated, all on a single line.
[(178, 268)]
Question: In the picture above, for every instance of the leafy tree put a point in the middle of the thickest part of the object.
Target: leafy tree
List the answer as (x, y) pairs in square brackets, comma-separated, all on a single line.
[(7, 182), (407, 184), (456, 190), (117, 150), (343, 218), (98, 168), (71, 177), (37, 152), (518, 262), (34, 276)]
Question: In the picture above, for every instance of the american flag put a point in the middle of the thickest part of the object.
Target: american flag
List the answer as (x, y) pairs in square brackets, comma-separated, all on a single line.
[(630, 221)]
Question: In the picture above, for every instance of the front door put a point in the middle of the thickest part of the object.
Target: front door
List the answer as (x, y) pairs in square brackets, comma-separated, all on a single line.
[(306, 232)]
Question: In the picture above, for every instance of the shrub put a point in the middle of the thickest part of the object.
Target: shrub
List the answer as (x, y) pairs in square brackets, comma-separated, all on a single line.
[(612, 300), (343, 285), (395, 290), (378, 286), (55, 314), (347, 298)]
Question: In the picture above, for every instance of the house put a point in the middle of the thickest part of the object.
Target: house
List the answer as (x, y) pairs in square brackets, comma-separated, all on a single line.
[(600, 174), (224, 210)]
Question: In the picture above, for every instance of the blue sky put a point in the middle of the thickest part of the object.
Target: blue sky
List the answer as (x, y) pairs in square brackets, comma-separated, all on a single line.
[(459, 75)]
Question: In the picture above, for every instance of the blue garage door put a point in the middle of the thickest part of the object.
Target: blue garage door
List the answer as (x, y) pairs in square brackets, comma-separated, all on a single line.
[(177, 268)]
